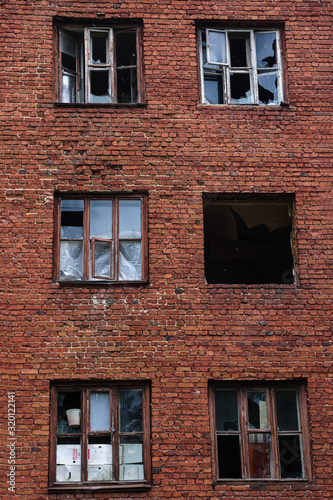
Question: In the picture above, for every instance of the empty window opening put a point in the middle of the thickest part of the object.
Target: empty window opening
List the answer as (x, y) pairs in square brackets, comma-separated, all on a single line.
[(248, 242)]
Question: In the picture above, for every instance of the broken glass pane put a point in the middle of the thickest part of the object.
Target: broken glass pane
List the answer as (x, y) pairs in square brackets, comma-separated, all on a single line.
[(229, 456), (130, 267), (129, 219), (266, 50), (268, 87), (71, 260), (130, 410), (226, 408), (217, 47), (260, 455), (99, 411), (102, 259), (287, 410), (125, 48), (241, 92), (99, 45), (239, 50), (101, 219), (257, 408), (291, 457), (99, 87), (72, 219)]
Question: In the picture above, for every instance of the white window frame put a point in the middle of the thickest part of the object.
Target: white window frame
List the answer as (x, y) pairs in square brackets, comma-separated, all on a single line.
[(251, 69)]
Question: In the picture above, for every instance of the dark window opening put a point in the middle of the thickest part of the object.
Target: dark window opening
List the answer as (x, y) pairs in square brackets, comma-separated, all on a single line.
[(248, 242)]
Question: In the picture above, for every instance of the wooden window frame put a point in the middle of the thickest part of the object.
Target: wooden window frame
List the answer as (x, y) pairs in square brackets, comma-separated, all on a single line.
[(113, 388), (251, 69), (114, 243), (85, 64), (244, 429)]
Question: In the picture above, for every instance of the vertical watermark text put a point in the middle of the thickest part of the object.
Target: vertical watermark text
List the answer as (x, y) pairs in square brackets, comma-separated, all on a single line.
[(11, 446)]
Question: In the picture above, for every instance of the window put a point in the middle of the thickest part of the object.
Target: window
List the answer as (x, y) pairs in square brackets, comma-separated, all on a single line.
[(100, 434), (240, 66), (249, 241), (259, 431), (99, 64), (101, 238)]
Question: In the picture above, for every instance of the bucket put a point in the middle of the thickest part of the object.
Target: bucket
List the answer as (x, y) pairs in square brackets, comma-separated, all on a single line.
[(73, 417)]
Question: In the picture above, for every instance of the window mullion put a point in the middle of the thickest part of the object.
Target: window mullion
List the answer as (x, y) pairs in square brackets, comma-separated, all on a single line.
[(272, 418), (86, 238), (254, 75), (84, 435), (243, 425), (226, 83), (86, 61), (112, 62), (115, 224), (115, 433)]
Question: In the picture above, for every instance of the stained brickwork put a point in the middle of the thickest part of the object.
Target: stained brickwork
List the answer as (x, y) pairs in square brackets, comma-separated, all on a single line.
[(177, 331)]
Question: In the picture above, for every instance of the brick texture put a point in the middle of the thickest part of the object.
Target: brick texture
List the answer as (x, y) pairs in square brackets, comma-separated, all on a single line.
[(177, 331)]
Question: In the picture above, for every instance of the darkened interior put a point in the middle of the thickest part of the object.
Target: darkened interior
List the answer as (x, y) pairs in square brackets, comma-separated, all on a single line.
[(248, 242)]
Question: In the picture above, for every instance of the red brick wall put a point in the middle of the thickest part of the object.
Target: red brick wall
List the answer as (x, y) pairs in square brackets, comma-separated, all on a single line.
[(177, 331)]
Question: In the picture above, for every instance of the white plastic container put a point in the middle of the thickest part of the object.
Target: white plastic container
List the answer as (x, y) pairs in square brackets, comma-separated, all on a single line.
[(74, 417)]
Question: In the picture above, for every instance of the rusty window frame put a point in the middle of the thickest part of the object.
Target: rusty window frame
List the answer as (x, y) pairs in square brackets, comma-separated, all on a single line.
[(84, 432), (244, 429), (114, 242), (84, 65)]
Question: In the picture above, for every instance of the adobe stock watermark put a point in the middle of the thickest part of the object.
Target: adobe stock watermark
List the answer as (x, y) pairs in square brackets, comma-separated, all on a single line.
[(11, 446)]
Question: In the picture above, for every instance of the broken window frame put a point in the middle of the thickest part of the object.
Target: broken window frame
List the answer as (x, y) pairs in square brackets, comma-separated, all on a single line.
[(230, 200), (89, 242), (272, 431), (83, 433), (223, 70), (82, 39)]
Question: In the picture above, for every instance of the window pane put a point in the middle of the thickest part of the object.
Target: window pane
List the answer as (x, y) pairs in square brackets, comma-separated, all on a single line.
[(102, 260), (241, 92), (213, 88), (287, 410), (101, 219), (229, 457), (266, 50), (291, 457), (68, 87), (125, 48), (217, 47), (257, 408), (268, 87), (99, 86), (72, 219), (71, 260), (127, 85), (99, 411), (131, 458), (99, 458), (260, 455), (68, 401), (130, 410), (226, 410), (129, 219), (99, 46), (68, 460), (130, 261), (239, 50)]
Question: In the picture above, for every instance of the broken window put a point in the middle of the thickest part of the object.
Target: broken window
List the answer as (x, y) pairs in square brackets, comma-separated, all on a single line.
[(99, 65), (100, 434), (260, 431), (101, 239), (248, 242), (241, 66)]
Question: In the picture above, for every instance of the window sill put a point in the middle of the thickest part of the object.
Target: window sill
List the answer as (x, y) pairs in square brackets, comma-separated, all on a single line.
[(84, 105), (100, 283), (274, 286), (253, 482), (281, 105), (99, 487)]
